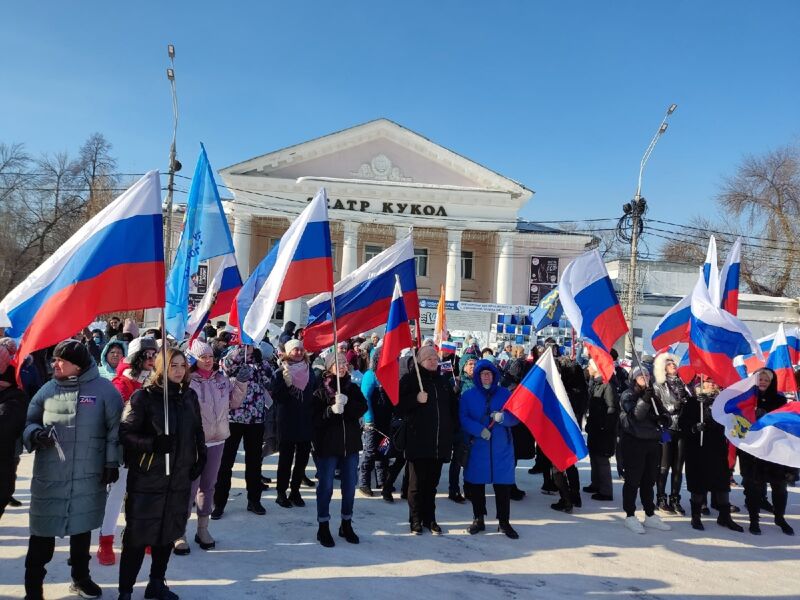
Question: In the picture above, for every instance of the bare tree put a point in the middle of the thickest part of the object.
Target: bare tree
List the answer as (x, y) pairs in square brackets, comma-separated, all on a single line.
[(97, 169), (761, 201)]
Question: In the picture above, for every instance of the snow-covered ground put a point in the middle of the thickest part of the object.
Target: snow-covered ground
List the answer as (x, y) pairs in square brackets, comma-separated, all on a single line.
[(588, 554)]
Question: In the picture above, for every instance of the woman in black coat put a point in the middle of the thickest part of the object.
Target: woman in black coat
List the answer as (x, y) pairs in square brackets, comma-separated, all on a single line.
[(13, 409), (601, 430), (337, 442), (431, 417), (706, 462), (155, 505), (757, 473)]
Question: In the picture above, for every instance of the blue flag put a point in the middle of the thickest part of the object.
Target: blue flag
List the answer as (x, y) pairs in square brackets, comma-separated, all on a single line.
[(205, 235), (548, 312)]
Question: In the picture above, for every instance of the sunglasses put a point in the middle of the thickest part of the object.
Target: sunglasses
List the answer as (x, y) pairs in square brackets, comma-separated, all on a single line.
[(150, 354)]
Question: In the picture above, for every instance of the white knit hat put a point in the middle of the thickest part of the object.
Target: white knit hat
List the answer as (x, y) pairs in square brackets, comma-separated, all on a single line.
[(200, 348)]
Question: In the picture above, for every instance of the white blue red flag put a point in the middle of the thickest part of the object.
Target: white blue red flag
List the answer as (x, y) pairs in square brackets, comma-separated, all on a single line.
[(716, 338), (223, 285), (541, 402), (114, 262), (711, 272), (673, 328), (780, 361), (774, 437), (729, 278), (363, 297), (753, 363), (299, 264), (397, 338), (591, 305), (205, 235)]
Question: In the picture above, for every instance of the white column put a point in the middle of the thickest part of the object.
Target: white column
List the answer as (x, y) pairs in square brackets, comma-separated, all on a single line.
[(452, 285), (505, 267), (349, 248), (293, 311), (242, 238)]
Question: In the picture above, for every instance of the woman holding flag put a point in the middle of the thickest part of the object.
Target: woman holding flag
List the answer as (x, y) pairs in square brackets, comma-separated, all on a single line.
[(337, 442)]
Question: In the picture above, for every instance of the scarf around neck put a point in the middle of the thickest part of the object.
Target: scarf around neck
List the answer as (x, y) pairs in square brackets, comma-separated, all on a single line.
[(299, 373)]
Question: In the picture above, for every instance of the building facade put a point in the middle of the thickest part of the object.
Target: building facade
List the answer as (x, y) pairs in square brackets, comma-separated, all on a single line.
[(384, 182)]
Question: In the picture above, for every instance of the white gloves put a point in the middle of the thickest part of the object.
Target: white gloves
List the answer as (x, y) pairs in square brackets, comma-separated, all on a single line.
[(486, 434), (498, 416), (337, 409), (287, 376), (422, 397), (341, 399)]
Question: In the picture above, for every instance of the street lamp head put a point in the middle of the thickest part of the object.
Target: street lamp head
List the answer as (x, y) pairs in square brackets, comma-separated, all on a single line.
[(170, 74), (671, 108), (662, 129), (171, 51)]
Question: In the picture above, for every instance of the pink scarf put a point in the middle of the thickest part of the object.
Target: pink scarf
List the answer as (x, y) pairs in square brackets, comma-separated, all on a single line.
[(299, 373), (204, 374)]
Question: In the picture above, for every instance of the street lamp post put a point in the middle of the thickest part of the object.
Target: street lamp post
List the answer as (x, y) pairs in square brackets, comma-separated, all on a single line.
[(635, 210)]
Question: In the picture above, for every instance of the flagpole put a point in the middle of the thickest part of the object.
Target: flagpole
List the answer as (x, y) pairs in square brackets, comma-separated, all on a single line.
[(165, 382), (335, 342)]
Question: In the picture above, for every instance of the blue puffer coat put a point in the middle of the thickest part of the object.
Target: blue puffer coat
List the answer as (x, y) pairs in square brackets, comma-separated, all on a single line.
[(489, 461)]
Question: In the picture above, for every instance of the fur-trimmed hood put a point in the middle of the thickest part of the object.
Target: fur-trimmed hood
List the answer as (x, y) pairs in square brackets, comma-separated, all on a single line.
[(660, 366)]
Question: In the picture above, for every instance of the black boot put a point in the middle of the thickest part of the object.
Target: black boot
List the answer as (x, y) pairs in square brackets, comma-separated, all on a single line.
[(296, 499), (86, 588), (157, 590), (696, 522), (346, 531), (575, 497), (780, 521), (416, 527), (478, 525), (725, 519), (675, 504), (754, 528), (324, 536), (516, 493), (282, 500), (563, 506), (664, 506), (505, 527)]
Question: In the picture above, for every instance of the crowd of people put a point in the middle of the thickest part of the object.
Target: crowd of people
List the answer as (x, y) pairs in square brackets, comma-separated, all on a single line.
[(120, 422)]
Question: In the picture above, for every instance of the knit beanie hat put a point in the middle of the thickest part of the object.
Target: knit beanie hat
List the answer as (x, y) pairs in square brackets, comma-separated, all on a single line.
[(140, 345), (131, 327), (199, 348), (292, 344), (331, 357), (75, 352), (9, 345)]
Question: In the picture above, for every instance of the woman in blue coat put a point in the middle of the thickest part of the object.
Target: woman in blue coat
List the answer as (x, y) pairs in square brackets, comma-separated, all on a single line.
[(487, 428)]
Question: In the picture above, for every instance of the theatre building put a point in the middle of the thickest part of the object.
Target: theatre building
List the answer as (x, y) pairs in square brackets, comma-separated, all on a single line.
[(384, 180)]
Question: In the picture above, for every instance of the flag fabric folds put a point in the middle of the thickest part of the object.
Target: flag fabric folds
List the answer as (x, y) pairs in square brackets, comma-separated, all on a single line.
[(222, 288), (548, 312), (363, 297), (673, 328), (780, 361), (591, 305), (752, 362), (541, 402), (774, 437), (396, 338), (440, 325), (711, 272), (205, 235), (299, 264), (716, 337), (114, 262), (729, 278)]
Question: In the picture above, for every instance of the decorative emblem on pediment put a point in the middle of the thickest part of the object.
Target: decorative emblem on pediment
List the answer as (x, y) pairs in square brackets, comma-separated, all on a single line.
[(380, 168)]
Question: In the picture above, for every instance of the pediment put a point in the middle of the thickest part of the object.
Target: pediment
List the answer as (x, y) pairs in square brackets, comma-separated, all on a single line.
[(381, 151)]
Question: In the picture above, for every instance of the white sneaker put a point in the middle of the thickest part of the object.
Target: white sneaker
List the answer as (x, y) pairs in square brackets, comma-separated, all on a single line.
[(655, 522), (634, 524)]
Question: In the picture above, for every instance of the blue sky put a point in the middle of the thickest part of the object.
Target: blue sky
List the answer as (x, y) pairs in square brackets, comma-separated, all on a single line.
[(562, 96)]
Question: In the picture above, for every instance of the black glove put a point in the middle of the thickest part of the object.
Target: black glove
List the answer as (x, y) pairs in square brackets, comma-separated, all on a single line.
[(698, 427), (664, 420), (42, 439), (162, 444), (110, 475), (244, 374), (647, 395)]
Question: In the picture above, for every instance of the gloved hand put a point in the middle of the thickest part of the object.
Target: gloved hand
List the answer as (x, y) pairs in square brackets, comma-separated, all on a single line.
[(162, 444), (110, 475), (664, 420), (698, 427), (245, 374), (337, 409), (341, 399), (647, 395), (287, 376), (486, 434), (498, 416), (42, 438), (422, 397), (368, 426)]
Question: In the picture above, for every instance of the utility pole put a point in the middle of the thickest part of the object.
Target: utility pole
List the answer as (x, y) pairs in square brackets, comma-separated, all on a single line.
[(174, 164), (633, 212)]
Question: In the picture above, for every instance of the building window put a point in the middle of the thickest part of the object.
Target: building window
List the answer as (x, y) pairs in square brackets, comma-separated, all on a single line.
[(371, 251), (467, 263), (273, 242), (421, 262)]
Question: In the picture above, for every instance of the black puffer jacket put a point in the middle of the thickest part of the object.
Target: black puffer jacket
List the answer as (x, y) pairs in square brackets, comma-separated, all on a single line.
[(337, 435), (638, 418), (574, 380), (156, 505), (673, 395), (295, 408), (429, 427), (601, 427), (706, 465)]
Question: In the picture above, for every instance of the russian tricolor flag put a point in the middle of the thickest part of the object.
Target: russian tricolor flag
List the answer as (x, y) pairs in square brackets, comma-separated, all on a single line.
[(541, 402), (591, 305), (780, 362), (775, 437), (716, 337), (222, 288), (363, 298), (711, 272), (299, 264), (674, 327), (729, 278), (114, 262), (397, 337)]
